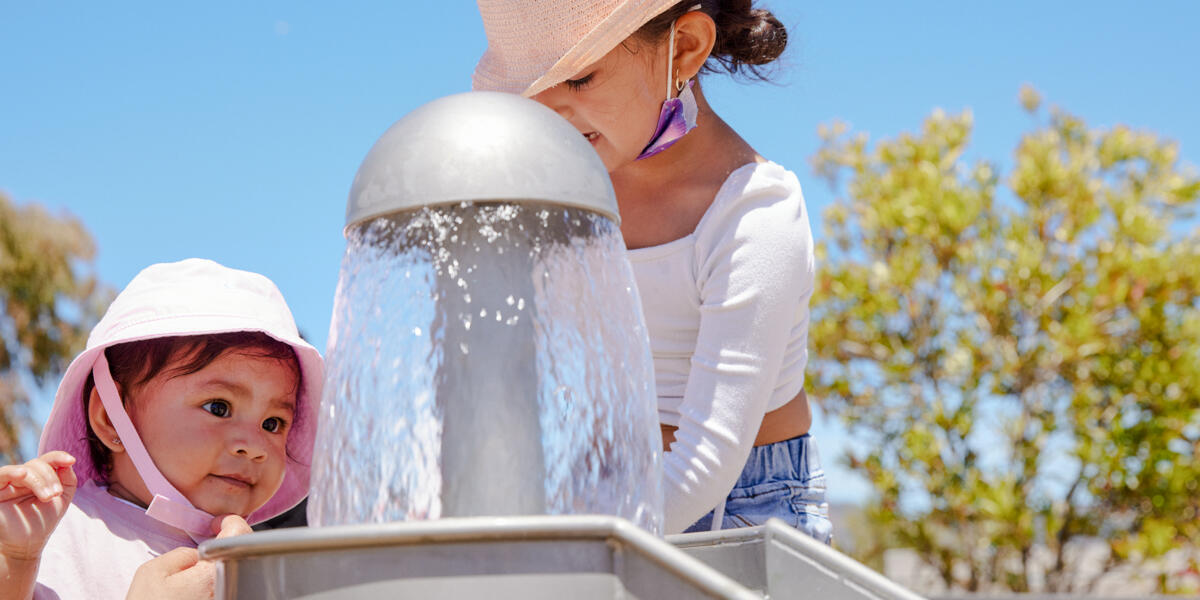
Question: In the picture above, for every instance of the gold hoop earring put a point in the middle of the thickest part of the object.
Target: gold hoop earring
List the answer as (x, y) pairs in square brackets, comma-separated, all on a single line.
[(679, 83)]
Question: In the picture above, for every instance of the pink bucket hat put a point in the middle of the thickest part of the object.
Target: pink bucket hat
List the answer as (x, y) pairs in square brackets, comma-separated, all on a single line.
[(190, 297), (536, 44)]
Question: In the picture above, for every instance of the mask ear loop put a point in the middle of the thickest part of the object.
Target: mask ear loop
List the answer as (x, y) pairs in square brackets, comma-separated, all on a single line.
[(671, 61), (169, 505)]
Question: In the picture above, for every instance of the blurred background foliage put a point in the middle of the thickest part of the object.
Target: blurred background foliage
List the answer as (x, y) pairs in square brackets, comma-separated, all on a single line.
[(49, 300), (1018, 355)]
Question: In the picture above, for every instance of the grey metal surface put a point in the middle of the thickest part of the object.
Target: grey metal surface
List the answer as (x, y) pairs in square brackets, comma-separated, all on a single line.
[(479, 146), (491, 430), (577, 557), (783, 563)]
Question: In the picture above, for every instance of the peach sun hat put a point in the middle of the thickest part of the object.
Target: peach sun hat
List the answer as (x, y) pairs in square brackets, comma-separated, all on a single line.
[(536, 44)]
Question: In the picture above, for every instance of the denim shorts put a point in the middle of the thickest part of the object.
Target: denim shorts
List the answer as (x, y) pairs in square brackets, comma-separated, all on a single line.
[(782, 480)]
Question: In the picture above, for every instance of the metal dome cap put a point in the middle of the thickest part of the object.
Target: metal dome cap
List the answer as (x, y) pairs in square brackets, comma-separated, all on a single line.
[(480, 146)]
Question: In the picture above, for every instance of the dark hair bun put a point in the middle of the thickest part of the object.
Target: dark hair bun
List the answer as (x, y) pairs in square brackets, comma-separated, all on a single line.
[(746, 37)]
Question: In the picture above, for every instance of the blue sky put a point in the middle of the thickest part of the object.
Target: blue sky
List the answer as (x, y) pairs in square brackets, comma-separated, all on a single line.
[(233, 130)]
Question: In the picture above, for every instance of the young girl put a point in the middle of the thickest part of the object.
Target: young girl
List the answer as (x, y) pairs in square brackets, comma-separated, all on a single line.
[(718, 236), (195, 398)]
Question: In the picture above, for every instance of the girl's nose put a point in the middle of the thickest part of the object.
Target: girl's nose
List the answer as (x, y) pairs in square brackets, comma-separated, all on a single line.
[(555, 98)]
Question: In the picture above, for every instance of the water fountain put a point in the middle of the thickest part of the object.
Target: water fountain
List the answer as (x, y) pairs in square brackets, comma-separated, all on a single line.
[(489, 426), (487, 355)]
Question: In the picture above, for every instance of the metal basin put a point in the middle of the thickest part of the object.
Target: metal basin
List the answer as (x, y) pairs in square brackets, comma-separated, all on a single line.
[(576, 557), (780, 562)]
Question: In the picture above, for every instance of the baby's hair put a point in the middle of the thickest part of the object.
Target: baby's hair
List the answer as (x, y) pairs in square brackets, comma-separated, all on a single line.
[(133, 364), (747, 37)]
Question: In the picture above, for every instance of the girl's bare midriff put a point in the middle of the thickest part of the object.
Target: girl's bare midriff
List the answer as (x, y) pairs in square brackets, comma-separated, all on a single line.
[(784, 423)]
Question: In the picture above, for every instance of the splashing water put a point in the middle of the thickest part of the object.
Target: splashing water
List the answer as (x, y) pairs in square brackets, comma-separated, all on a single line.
[(487, 359)]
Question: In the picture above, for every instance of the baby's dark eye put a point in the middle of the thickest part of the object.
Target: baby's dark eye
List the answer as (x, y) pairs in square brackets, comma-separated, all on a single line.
[(219, 408), (578, 84), (274, 425)]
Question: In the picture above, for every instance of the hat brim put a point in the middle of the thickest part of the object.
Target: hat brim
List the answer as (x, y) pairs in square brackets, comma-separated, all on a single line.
[(599, 41)]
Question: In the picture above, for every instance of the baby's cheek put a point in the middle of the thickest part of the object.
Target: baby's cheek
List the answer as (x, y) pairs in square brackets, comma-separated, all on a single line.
[(281, 453), (278, 465)]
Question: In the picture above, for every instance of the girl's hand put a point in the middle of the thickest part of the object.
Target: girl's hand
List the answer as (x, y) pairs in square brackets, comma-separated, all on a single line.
[(180, 573), (33, 499)]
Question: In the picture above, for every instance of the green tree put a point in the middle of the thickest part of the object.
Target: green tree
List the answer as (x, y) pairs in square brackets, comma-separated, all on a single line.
[(1020, 354), (48, 301)]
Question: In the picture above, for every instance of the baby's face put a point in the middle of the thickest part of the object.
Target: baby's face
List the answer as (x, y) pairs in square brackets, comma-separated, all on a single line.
[(219, 435)]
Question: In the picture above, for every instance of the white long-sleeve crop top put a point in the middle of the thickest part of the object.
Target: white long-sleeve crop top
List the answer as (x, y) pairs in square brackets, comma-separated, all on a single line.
[(727, 313)]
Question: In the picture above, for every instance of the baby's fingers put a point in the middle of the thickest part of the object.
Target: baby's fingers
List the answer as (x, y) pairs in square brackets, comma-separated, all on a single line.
[(41, 479), (62, 462), (21, 481), (172, 562), (57, 459), (12, 482), (230, 525)]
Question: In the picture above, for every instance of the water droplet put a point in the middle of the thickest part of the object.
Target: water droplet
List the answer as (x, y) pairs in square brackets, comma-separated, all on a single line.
[(564, 393), (417, 331), (509, 300)]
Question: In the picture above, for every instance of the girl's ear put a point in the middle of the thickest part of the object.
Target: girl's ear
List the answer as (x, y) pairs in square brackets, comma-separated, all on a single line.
[(695, 34), (101, 424)]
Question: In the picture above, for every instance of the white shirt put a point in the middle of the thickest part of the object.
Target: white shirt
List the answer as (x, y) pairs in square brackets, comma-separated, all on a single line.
[(99, 544), (727, 313)]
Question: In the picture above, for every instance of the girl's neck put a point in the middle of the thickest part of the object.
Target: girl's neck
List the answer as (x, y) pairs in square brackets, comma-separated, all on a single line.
[(662, 198)]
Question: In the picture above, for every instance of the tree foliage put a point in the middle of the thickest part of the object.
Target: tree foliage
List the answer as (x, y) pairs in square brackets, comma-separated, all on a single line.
[(48, 302), (1020, 353)]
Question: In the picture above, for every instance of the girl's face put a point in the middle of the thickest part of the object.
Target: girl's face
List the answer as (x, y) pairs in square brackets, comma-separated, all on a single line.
[(615, 102), (219, 435)]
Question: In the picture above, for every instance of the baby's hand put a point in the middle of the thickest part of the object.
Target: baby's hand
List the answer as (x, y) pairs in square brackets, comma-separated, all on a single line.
[(33, 499), (180, 573), (229, 526), (177, 574)]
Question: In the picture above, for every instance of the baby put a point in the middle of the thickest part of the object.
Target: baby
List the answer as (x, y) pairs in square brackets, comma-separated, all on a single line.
[(190, 413)]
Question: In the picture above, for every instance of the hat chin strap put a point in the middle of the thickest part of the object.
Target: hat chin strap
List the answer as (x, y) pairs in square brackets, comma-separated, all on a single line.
[(169, 505)]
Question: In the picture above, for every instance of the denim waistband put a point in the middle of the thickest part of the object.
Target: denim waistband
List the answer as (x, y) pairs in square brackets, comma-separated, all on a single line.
[(792, 459)]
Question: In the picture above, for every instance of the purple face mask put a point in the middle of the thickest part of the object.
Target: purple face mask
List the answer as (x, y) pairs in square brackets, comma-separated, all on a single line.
[(677, 117), (678, 114)]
